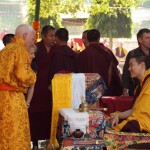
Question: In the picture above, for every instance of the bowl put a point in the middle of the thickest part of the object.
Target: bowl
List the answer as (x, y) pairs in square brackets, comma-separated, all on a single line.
[(78, 133)]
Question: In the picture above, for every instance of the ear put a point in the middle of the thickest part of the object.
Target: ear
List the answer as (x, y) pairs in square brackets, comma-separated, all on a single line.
[(43, 36), (24, 35), (143, 65), (139, 40)]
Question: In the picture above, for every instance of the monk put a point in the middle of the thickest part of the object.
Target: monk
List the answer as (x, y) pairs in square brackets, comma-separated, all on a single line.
[(84, 38), (63, 58), (7, 38), (41, 103), (115, 87), (96, 58), (16, 76), (138, 117)]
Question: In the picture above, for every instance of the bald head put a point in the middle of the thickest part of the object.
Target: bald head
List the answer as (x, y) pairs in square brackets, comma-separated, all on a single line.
[(23, 28), (27, 33)]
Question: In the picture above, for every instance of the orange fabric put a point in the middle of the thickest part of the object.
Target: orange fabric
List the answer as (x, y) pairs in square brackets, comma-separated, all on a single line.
[(36, 26), (15, 72), (6, 87)]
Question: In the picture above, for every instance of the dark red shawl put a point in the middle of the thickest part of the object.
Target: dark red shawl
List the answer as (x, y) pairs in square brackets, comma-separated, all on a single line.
[(42, 100), (96, 58), (63, 58)]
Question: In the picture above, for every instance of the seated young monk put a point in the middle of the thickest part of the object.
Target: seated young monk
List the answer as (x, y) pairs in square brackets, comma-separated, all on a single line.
[(137, 118)]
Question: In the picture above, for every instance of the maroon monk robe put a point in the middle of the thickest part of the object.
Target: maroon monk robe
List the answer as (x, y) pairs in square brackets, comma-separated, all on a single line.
[(41, 104), (63, 58), (96, 59), (115, 87)]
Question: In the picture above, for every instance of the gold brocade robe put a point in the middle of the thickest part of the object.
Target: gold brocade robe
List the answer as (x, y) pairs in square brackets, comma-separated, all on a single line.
[(15, 71), (141, 108)]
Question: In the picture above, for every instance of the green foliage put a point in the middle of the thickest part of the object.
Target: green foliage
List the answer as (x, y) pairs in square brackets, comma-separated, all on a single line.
[(111, 7), (112, 17), (54, 21), (115, 26), (50, 10), (71, 6)]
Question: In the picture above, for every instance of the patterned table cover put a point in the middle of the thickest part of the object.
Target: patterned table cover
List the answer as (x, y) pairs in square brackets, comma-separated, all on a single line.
[(97, 124), (68, 144), (89, 147), (120, 140), (113, 140)]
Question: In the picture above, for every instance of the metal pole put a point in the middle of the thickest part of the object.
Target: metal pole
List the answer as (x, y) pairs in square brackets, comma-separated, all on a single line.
[(37, 10), (36, 22)]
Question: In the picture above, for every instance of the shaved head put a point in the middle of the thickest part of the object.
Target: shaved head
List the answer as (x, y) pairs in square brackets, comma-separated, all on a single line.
[(23, 28), (27, 33)]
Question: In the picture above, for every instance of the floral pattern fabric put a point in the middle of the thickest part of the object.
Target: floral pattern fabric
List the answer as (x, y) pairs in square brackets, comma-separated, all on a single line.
[(71, 144), (100, 128), (97, 124), (88, 147), (95, 87), (120, 140)]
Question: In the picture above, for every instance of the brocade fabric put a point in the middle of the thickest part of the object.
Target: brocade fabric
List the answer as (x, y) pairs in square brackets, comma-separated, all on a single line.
[(15, 71)]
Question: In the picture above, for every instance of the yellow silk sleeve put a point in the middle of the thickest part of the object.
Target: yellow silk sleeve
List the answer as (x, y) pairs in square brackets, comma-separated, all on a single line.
[(15, 67), (22, 70)]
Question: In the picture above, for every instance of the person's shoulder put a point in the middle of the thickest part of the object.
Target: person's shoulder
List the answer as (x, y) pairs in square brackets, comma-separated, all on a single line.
[(69, 50), (87, 49), (39, 44), (135, 51), (54, 46), (13, 48), (83, 52), (117, 48)]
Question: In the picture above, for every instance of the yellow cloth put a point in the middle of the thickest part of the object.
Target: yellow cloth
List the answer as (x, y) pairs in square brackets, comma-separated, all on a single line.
[(15, 71), (122, 50), (141, 108), (62, 98)]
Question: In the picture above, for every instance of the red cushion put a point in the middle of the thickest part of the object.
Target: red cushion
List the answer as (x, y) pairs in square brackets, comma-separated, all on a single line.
[(116, 103)]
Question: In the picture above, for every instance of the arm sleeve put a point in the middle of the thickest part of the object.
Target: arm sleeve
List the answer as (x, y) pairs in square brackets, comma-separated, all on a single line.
[(23, 72)]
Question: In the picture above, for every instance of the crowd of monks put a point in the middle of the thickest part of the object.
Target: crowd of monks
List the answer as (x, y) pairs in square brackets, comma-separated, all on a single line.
[(53, 55)]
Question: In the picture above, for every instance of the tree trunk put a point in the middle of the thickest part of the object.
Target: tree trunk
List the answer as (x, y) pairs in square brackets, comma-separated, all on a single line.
[(111, 43)]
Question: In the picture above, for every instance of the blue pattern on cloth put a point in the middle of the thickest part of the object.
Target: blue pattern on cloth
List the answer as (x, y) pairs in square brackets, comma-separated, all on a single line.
[(88, 147), (99, 128), (95, 91), (66, 132)]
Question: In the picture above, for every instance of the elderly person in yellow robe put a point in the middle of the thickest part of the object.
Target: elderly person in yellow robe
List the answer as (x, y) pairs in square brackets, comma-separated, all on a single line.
[(16, 76), (138, 117)]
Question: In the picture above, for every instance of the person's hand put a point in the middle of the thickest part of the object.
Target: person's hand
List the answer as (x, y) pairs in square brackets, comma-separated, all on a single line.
[(125, 92), (28, 105), (115, 120)]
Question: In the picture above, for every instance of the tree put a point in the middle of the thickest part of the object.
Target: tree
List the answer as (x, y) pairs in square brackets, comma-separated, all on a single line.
[(50, 10), (112, 18), (113, 26), (113, 6)]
